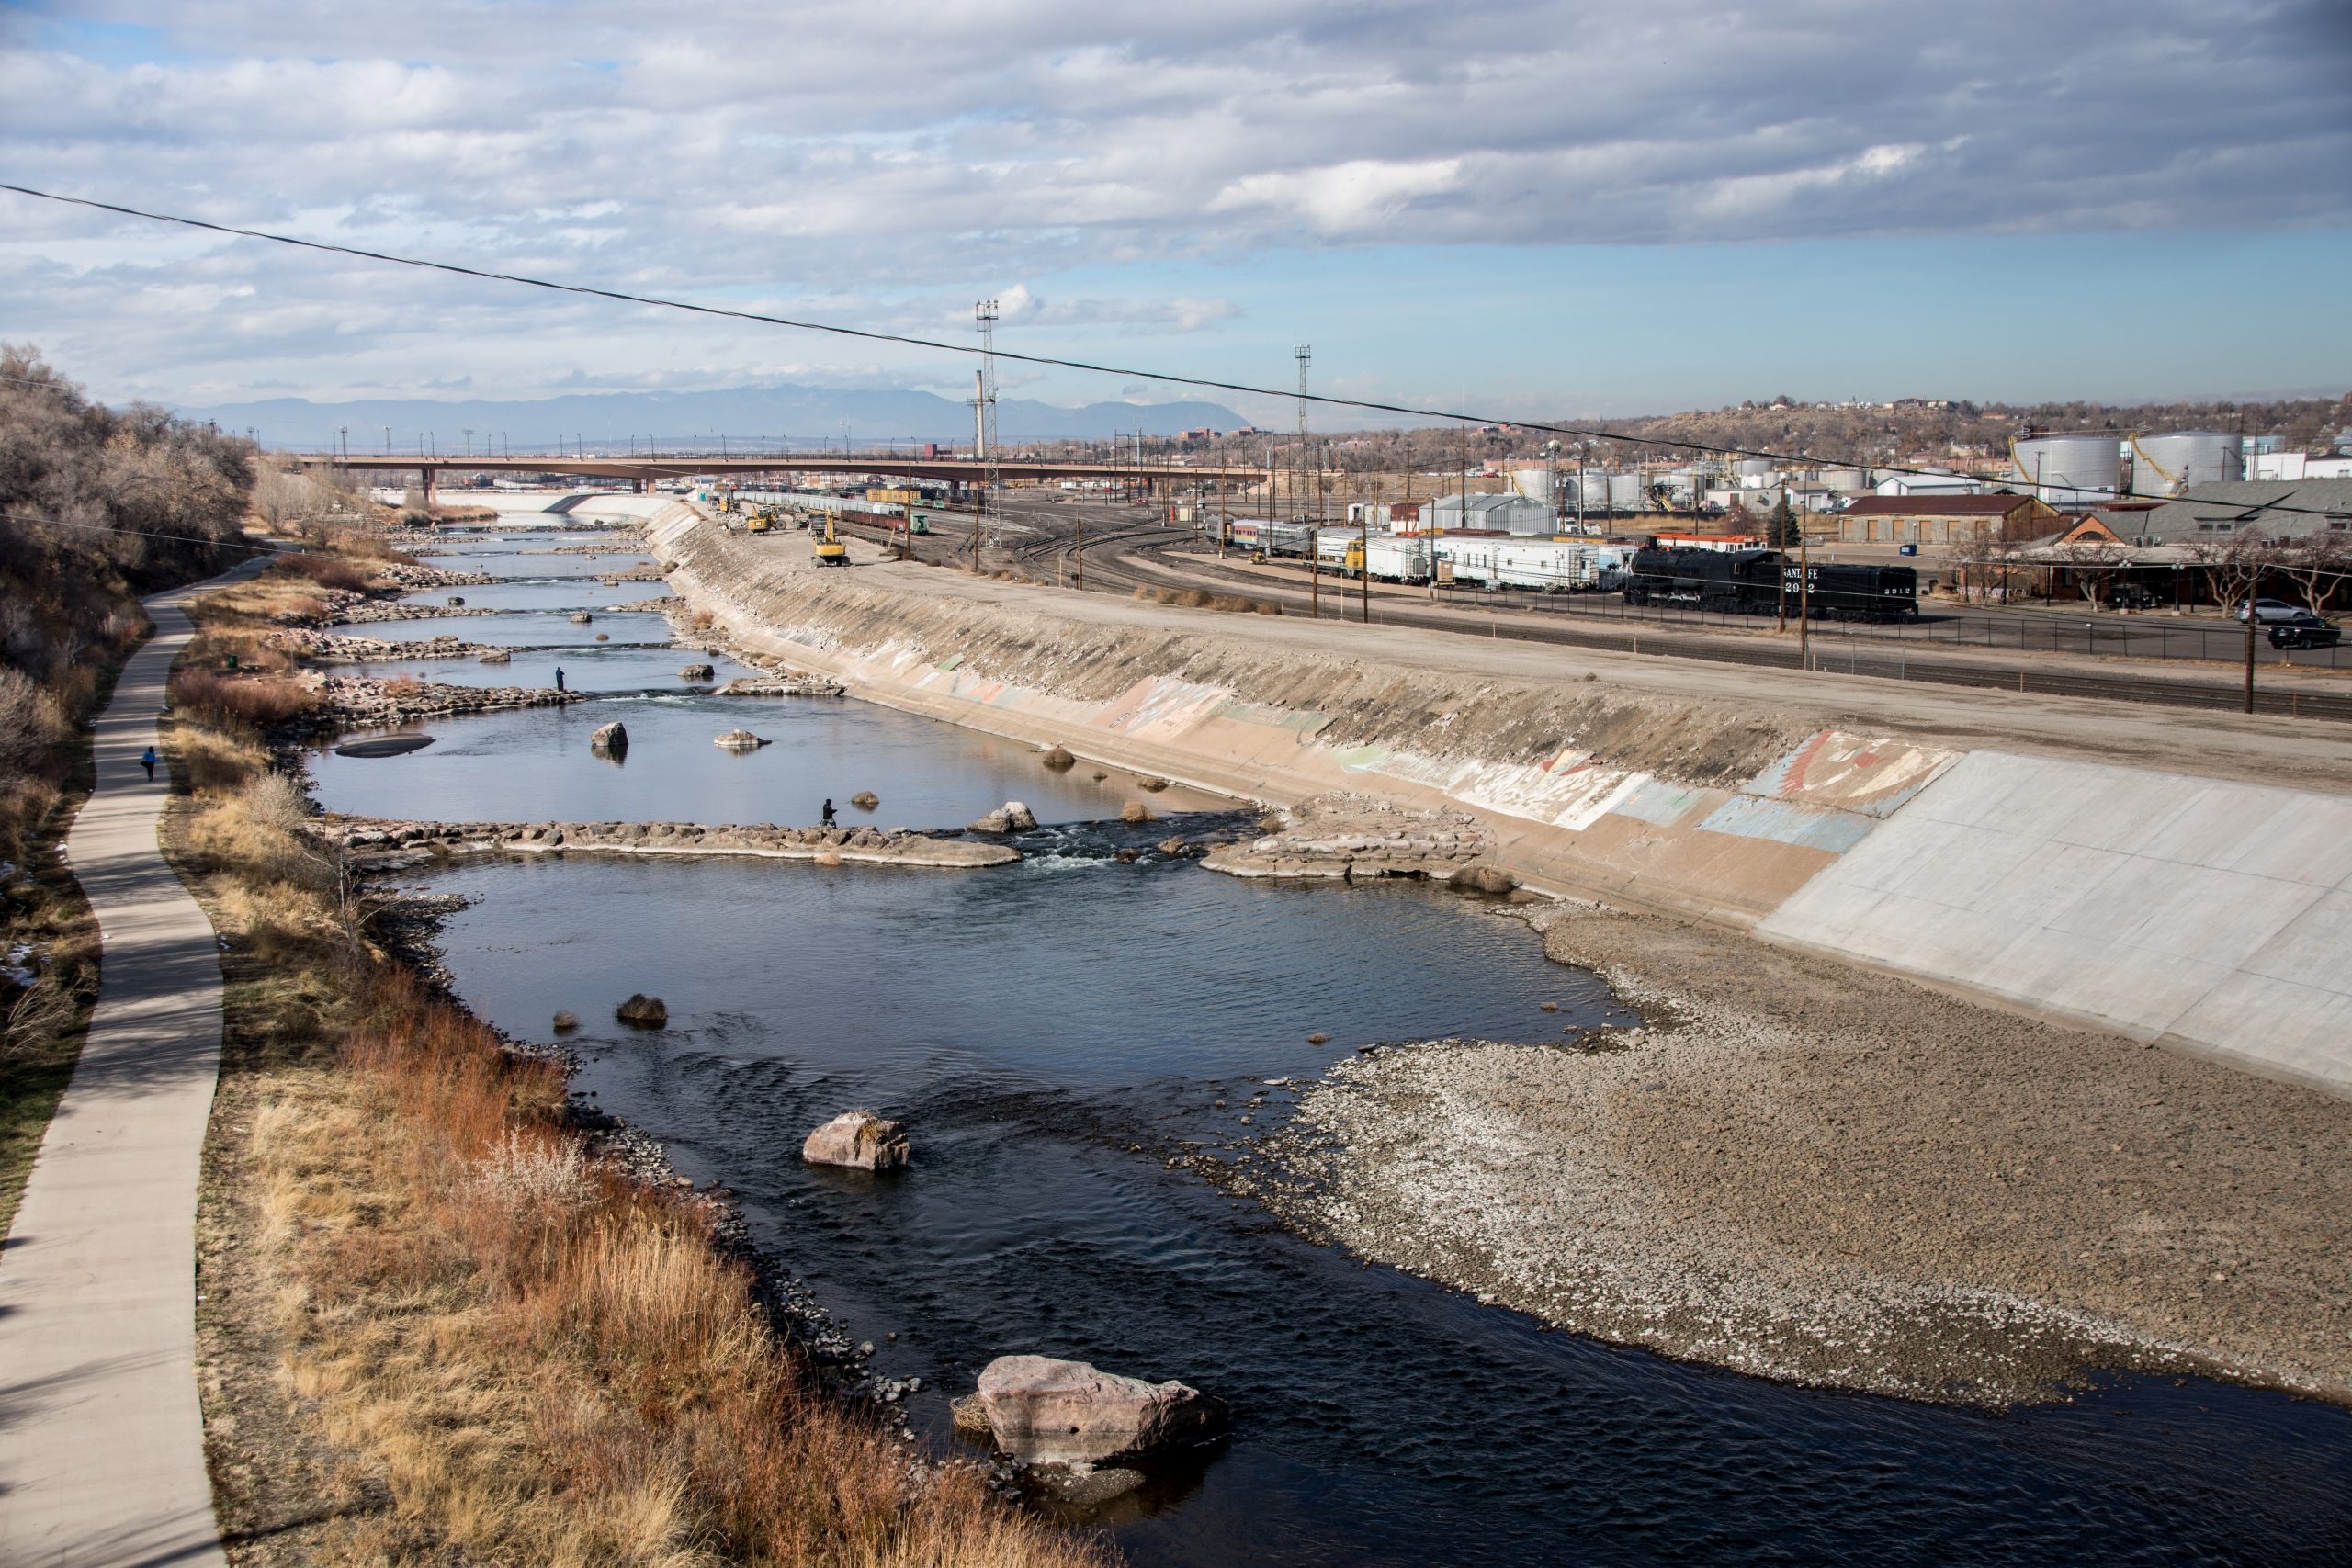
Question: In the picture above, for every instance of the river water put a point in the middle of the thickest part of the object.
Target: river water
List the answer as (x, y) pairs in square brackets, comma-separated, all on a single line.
[(1058, 1033)]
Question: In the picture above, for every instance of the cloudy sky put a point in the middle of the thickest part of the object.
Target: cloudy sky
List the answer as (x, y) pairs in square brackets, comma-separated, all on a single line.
[(1608, 207)]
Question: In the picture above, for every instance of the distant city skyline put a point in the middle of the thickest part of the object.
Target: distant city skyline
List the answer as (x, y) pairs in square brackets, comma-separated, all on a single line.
[(1523, 209)]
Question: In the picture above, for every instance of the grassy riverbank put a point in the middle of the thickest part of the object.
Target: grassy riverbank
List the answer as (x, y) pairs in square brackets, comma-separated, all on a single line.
[(434, 1327)]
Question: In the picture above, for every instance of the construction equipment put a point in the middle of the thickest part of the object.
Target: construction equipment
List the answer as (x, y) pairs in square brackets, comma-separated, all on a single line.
[(762, 521), (829, 548), (922, 525)]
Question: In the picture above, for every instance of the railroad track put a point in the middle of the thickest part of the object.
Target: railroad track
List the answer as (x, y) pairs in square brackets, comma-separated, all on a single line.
[(1669, 641), (1124, 565)]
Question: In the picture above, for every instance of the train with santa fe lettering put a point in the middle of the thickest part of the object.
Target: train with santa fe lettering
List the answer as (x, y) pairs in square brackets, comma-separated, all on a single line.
[(1762, 582)]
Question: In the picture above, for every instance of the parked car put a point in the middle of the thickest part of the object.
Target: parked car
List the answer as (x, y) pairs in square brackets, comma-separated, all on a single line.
[(2305, 630), (2268, 611), (2130, 596)]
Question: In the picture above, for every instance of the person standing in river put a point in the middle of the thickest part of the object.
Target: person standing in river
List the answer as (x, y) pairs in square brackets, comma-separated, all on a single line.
[(829, 811)]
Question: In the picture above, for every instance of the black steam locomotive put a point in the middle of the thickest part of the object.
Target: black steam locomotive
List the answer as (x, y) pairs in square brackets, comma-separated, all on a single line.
[(1750, 582)]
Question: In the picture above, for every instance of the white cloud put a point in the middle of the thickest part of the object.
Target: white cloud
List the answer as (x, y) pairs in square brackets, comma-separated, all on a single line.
[(1343, 197)]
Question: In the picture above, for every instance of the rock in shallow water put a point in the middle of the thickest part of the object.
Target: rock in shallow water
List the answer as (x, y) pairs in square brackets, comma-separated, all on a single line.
[(611, 739), (1055, 1412), (858, 1139), (739, 741)]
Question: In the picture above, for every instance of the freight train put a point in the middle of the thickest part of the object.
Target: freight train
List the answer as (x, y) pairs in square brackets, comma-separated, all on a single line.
[(1753, 582), (1469, 561)]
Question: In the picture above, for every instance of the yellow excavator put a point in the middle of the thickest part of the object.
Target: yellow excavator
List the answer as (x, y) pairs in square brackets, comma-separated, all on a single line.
[(761, 522), (827, 548)]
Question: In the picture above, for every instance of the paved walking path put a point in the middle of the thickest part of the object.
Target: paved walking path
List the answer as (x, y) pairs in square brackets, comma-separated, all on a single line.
[(101, 1436)]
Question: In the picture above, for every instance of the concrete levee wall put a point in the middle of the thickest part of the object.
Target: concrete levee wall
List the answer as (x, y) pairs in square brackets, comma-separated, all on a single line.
[(2211, 916)]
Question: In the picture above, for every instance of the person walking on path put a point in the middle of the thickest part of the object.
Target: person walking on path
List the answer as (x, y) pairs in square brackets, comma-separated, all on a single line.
[(829, 811), (101, 1427), (147, 759)]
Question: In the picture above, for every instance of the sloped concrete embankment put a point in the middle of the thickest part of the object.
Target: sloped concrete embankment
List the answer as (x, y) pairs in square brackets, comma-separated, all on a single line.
[(1870, 847)]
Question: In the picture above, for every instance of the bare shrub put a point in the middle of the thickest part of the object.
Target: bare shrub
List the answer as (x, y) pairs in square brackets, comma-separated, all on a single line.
[(328, 571), (37, 1018), (534, 1173), (257, 701)]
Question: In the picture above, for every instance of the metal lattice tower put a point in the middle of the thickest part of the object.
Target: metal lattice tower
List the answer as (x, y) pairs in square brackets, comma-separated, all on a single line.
[(1303, 353), (986, 313)]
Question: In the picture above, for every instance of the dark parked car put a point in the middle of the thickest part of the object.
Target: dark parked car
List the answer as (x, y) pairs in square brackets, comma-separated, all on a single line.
[(2130, 596), (2305, 630)]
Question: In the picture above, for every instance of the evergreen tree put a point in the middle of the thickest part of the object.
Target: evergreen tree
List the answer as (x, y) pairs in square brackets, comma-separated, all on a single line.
[(1780, 531)]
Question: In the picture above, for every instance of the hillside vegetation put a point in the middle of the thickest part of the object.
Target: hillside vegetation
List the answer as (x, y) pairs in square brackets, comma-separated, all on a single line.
[(97, 508)]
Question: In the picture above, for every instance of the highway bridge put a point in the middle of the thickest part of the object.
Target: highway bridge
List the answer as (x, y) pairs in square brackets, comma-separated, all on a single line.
[(960, 473)]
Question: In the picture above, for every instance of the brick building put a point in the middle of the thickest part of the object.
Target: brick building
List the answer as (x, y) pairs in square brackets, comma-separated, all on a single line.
[(1942, 519)]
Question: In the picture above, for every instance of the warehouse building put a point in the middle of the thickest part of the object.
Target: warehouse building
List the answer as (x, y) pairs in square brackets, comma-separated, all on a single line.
[(1942, 519)]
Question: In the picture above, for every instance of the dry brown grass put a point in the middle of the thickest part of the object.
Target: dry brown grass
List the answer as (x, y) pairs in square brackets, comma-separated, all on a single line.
[(329, 571), (239, 701)]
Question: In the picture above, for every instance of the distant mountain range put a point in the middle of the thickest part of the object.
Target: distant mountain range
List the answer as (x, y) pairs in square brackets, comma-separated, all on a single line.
[(745, 415)]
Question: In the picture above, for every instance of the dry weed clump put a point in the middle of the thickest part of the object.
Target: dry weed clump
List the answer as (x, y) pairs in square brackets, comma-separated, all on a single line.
[(252, 702), (330, 571)]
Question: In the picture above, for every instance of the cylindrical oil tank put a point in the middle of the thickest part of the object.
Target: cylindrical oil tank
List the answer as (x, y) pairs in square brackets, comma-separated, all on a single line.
[(2167, 465), (1533, 483), (1628, 492), (1755, 467), (1845, 478), (2070, 468), (1596, 492)]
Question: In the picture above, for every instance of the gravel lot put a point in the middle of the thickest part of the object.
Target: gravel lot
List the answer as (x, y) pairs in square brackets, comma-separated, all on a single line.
[(1812, 1172)]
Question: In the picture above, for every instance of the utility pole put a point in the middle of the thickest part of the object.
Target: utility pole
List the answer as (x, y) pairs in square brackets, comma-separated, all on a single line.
[(1303, 354), (1805, 596), (986, 313)]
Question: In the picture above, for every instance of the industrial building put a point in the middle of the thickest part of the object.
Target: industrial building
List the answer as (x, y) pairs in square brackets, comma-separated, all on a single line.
[(1492, 514), (1942, 519)]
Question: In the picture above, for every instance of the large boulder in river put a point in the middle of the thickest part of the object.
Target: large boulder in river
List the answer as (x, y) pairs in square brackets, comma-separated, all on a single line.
[(1482, 876), (1055, 1412), (696, 672), (611, 740), (858, 1139), (1011, 818), (739, 741), (643, 1011)]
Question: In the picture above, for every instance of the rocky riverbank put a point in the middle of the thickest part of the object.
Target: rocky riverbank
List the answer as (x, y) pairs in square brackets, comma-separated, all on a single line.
[(329, 647), (1358, 837), (365, 702), (377, 840), (372, 611), (1810, 1172)]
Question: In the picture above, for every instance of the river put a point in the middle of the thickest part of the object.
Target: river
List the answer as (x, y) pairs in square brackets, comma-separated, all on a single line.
[(1058, 1036)]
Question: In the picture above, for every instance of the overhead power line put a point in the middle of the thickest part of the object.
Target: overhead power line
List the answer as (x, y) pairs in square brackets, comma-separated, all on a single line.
[(910, 340)]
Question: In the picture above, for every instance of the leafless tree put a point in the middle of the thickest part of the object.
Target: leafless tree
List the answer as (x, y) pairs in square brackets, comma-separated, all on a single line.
[(2093, 567), (2318, 564), (2235, 567)]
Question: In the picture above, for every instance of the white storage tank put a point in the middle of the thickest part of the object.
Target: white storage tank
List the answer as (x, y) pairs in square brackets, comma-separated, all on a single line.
[(1845, 478), (1596, 492), (1628, 492), (2167, 465), (1535, 484), (2070, 468)]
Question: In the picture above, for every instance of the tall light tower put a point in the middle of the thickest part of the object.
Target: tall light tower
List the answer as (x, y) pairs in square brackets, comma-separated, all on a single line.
[(1303, 353), (985, 312)]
